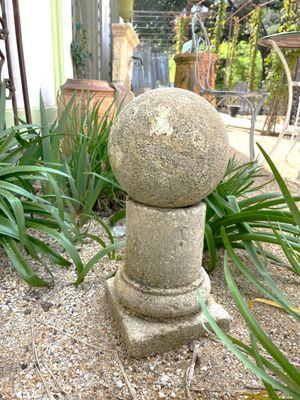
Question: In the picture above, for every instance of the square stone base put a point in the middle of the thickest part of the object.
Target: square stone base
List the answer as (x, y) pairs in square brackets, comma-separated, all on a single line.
[(144, 337)]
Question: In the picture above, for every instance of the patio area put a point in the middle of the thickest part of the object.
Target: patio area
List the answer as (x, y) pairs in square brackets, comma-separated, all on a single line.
[(238, 131)]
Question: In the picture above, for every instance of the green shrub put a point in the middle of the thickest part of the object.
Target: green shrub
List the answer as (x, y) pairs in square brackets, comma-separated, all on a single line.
[(80, 150), (25, 214), (36, 197), (248, 217)]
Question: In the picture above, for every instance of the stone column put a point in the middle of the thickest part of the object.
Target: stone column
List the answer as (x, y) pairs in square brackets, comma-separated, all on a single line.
[(125, 41), (168, 149)]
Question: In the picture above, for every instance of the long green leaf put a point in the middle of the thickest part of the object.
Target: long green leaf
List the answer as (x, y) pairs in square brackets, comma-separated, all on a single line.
[(210, 241), (260, 364), (46, 142), (285, 191), (255, 328), (20, 263), (96, 259), (24, 169), (240, 354)]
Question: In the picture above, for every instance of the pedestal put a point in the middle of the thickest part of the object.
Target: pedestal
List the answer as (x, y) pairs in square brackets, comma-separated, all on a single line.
[(153, 296)]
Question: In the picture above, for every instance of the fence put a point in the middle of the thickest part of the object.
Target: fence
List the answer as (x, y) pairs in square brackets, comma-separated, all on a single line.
[(150, 69)]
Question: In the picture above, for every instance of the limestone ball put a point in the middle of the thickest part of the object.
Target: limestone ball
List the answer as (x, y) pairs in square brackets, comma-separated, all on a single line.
[(168, 148)]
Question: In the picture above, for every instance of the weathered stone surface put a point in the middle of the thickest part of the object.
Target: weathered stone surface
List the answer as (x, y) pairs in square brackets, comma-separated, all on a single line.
[(168, 148), (163, 264), (153, 295), (144, 337)]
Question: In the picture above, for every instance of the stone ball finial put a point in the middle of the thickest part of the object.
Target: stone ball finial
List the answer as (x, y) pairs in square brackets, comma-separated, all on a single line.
[(168, 148)]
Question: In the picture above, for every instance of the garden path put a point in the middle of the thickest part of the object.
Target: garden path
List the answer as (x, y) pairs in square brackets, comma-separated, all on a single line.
[(239, 141)]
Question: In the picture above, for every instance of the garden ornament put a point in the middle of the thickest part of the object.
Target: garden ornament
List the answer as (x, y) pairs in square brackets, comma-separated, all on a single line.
[(168, 149)]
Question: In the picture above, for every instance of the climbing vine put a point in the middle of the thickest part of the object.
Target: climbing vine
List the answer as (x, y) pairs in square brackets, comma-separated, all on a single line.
[(290, 16), (218, 29), (79, 51), (79, 45), (275, 79), (255, 27), (180, 31), (232, 53)]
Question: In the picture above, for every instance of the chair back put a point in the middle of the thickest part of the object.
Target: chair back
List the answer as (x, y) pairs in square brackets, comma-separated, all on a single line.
[(201, 44)]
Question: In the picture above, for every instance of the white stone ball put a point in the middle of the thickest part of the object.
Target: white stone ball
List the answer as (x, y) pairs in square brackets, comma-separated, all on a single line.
[(168, 148)]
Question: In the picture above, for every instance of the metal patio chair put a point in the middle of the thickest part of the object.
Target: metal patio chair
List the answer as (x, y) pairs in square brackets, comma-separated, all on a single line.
[(295, 132), (253, 99)]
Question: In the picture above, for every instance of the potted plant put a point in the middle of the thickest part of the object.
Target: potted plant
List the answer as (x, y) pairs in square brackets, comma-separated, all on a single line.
[(81, 84), (233, 106)]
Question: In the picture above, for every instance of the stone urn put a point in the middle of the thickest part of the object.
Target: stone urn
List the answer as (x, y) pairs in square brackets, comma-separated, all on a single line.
[(168, 149), (126, 10)]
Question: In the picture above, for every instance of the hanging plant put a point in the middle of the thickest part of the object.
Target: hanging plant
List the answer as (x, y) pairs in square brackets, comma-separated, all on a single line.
[(219, 26), (211, 20), (255, 27), (232, 52)]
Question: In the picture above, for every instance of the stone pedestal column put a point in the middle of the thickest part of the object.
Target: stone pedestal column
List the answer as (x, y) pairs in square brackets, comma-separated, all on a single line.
[(125, 41), (163, 261), (168, 149)]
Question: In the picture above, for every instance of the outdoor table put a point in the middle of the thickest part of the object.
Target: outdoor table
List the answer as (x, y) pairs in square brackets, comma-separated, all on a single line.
[(278, 41)]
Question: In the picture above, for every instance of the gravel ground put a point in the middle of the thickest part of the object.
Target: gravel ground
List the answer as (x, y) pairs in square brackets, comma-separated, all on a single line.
[(89, 369)]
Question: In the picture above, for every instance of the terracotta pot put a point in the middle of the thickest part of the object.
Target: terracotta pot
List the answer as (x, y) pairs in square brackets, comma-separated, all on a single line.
[(126, 10), (89, 87), (85, 89), (185, 71)]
